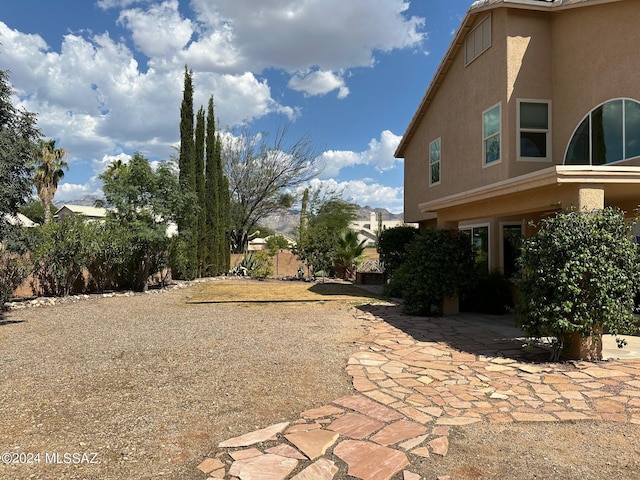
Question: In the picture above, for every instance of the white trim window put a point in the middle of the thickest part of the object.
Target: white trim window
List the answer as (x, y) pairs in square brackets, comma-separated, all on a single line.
[(435, 155), (491, 128), (534, 130), (478, 40)]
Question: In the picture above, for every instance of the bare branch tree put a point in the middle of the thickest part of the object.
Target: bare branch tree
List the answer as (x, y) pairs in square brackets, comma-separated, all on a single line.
[(262, 174)]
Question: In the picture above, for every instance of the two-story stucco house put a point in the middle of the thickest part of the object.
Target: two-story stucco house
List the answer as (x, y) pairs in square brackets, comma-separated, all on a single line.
[(534, 108)]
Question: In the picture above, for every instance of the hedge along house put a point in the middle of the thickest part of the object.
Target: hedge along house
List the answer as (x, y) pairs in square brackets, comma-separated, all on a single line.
[(534, 108)]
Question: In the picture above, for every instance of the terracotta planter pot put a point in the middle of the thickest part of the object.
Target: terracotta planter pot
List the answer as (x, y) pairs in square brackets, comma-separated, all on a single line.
[(588, 348)]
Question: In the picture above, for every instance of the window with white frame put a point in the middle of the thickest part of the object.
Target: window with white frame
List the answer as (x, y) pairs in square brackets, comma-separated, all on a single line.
[(491, 125), (534, 130), (434, 162), (478, 40)]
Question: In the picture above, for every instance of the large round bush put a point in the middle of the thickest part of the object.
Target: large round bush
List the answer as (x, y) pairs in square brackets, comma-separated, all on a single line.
[(438, 264), (579, 274)]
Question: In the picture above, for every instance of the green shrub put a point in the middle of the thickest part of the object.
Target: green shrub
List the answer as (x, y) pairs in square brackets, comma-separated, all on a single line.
[(275, 243), (61, 252), (392, 247), (145, 253), (122, 258), (106, 257), (579, 273), (14, 270), (438, 264), (115, 255)]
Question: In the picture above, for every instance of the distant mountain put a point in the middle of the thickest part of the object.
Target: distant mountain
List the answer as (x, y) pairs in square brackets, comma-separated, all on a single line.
[(364, 213), (284, 223), (85, 201), (287, 223)]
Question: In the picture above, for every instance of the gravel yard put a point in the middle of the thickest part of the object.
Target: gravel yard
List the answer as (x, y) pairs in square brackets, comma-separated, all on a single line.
[(147, 386), (151, 384)]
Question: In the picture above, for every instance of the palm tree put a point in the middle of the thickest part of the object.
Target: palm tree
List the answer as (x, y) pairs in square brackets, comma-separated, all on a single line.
[(116, 167), (348, 253), (49, 171)]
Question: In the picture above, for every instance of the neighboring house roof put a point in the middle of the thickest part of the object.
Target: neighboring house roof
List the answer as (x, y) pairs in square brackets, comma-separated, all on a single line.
[(92, 212), (20, 220), (476, 9), (99, 213)]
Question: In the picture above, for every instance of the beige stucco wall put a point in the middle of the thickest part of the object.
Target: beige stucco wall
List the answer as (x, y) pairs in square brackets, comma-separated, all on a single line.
[(529, 43), (455, 116), (596, 57), (574, 57)]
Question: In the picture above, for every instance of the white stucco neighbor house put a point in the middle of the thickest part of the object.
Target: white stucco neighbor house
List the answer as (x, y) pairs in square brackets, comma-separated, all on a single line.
[(368, 229)]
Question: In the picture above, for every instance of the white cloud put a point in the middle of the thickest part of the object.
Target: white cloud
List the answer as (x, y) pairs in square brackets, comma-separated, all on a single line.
[(296, 36), (94, 98), (326, 36), (101, 95), (107, 4), (379, 155), (159, 31), (319, 83), (364, 193), (69, 191)]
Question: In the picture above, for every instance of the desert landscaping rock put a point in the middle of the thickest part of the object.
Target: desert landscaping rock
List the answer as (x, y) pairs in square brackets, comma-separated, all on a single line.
[(210, 464), (251, 438), (320, 412), (397, 432), (285, 450), (313, 443), (369, 461), (368, 408), (440, 446), (355, 425), (263, 467), (323, 469)]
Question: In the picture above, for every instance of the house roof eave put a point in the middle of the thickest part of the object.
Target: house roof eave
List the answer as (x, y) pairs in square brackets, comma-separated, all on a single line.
[(438, 78), (555, 175)]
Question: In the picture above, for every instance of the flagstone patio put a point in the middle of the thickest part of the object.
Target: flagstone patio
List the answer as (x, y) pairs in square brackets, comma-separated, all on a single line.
[(416, 378)]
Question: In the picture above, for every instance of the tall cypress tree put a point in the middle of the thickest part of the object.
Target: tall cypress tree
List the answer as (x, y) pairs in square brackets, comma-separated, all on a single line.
[(201, 219), (224, 212), (214, 262), (187, 220)]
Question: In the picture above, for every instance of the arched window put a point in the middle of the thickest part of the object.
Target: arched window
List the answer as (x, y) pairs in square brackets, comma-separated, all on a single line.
[(608, 134)]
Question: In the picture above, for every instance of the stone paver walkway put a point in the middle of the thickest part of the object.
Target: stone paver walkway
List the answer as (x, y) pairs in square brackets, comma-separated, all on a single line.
[(416, 378)]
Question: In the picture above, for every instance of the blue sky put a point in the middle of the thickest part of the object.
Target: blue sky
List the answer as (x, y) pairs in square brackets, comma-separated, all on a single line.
[(105, 77)]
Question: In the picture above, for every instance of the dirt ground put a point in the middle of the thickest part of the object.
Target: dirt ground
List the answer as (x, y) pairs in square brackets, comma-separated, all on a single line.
[(151, 384), (549, 451)]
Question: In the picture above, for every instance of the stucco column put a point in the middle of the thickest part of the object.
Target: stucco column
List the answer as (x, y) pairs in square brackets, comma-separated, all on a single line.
[(444, 224), (450, 305), (590, 197)]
